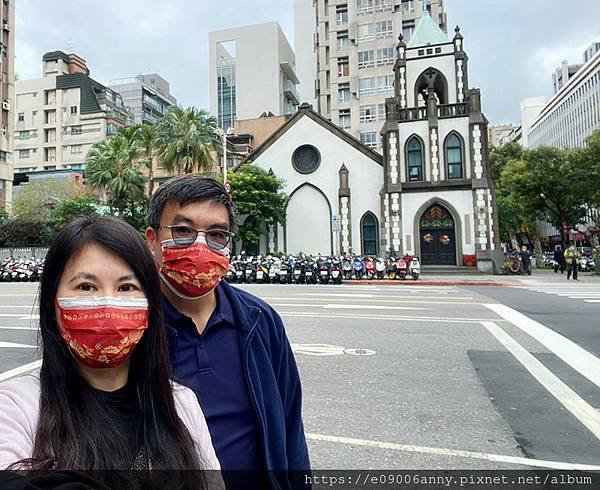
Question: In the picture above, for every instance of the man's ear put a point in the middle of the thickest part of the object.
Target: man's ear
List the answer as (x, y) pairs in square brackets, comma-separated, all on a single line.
[(151, 238)]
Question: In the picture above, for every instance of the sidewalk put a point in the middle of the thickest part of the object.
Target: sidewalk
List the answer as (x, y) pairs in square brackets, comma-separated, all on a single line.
[(538, 278)]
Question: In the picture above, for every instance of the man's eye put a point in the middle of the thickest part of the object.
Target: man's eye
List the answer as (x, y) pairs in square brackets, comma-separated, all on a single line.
[(217, 235), (182, 230)]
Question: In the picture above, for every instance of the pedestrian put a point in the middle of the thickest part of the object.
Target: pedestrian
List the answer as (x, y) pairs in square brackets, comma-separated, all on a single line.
[(559, 260), (227, 345), (525, 260), (573, 259), (103, 398)]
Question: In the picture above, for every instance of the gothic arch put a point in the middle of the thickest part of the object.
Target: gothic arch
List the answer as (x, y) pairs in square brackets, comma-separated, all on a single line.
[(369, 219), (440, 85), (457, 226), (462, 154), (409, 140)]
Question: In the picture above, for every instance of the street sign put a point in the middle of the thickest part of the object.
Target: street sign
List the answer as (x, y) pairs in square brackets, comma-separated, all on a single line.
[(336, 223)]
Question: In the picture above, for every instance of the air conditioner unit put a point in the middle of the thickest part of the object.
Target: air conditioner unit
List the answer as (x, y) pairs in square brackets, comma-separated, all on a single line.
[(6, 105), (4, 129), (6, 26)]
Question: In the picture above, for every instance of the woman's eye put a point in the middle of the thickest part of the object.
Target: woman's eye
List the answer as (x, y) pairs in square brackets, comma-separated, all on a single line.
[(87, 287), (127, 288)]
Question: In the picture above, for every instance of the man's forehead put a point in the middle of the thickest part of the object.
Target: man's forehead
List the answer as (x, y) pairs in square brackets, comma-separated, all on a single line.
[(200, 212)]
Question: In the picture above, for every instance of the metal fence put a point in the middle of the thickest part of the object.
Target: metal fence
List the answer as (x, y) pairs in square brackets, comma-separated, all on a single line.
[(23, 253)]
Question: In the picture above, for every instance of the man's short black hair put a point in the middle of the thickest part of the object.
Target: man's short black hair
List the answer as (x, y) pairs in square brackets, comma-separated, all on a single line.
[(187, 188)]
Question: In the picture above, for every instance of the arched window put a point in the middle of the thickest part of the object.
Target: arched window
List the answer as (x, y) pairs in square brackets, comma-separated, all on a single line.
[(369, 234), (454, 156), (414, 158)]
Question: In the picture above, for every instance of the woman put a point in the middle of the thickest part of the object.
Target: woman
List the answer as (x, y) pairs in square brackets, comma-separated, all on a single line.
[(103, 398)]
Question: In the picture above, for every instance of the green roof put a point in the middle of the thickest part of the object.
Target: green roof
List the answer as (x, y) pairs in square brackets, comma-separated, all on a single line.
[(427, 33)]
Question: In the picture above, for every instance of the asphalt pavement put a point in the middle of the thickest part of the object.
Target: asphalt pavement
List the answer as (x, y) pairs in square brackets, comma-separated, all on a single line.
[(424, 377)]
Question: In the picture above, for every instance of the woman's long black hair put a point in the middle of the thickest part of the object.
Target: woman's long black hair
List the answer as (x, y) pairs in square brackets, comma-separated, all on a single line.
[(74, 430)]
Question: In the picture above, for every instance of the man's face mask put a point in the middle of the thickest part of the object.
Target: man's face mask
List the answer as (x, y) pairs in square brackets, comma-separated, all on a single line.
[(192, 271), (102, 331)]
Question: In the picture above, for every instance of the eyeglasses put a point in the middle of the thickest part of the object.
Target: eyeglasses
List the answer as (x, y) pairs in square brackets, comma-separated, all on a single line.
[(184, 236)]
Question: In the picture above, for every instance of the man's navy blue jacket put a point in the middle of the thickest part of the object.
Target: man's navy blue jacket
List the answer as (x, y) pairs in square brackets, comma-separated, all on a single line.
[(273, 381)]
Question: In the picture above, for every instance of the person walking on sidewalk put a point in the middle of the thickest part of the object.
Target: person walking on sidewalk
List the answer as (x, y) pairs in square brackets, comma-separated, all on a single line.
[(525, 260), (559, 260), (572, 258)]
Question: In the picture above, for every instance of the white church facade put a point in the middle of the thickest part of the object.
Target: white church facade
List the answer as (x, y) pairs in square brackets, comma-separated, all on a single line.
[(430, 194)]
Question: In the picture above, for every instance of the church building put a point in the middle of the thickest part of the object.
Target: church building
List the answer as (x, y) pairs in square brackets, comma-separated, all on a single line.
[(430, 195)]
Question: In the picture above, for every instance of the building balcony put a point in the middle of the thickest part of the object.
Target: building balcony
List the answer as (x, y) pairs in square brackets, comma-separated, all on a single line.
[(290, 92), (149, 118), (153, 104), (444, 111)]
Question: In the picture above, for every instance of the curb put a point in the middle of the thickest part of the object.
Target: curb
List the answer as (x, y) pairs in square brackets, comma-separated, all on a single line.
[(421, 282)]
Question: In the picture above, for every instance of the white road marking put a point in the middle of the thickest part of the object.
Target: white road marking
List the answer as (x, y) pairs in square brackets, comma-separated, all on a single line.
[(321, 350), (592, 300), (381, 298), (18, 328), (499, 458), (11, 373), (13, 345), (339, 295), (578, 358), (341, 316), (370, 307), (584, 412)]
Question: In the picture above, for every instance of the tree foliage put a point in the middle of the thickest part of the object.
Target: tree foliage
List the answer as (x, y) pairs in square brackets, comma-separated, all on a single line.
[(69, 209), (36, 199), (185, 139), (259, 195)]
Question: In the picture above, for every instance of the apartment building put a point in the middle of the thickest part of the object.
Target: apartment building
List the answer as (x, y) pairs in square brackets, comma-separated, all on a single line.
[(355, 43), (147, 96), (252, 72), (7, 95), (60, 116)]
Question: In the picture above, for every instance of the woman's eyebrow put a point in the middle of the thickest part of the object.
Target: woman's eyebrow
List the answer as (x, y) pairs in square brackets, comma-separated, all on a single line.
[(84, 275), (128, 277)]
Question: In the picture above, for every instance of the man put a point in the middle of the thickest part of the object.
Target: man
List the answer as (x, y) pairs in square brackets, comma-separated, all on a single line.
[(227, 345), (525, 260), (572, 258), (559, 260)]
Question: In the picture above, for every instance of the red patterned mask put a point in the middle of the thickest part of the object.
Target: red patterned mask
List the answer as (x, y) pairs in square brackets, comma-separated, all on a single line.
[(102, 331), (192, 271)]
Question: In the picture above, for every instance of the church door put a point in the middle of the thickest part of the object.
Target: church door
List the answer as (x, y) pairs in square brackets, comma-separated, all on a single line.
[(438, 236)]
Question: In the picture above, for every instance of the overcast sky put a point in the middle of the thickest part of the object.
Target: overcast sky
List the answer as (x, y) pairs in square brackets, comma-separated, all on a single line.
[(513, 45)]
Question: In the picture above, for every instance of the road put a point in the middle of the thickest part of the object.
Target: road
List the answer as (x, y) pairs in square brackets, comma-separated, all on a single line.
[(424, 377)]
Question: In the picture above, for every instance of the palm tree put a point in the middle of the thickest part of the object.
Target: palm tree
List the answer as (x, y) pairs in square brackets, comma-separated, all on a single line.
[(114, 165), (144, 135), (185, 139)]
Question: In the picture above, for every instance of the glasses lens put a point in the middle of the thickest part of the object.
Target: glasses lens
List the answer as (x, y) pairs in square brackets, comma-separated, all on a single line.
[(183, 235), (217, 239)]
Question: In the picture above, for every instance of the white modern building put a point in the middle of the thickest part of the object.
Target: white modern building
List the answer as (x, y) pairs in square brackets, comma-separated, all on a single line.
[(147, 96), (7, 95), (252, 72), (59, 117), (431, 193), (572, 114), (354, 51)]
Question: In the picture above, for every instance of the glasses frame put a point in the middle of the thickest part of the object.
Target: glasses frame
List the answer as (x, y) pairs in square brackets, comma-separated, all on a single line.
[(211, 244)]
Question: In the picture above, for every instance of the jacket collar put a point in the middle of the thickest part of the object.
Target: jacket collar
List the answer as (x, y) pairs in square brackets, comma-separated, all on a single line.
[(245, 313)]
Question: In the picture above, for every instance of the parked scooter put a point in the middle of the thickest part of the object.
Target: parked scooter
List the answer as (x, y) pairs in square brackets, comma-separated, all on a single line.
[(358, 267), (370, 266), (380, 267), (414, 268), (392, 268), (346, 268), (401, 268), (336, 272)]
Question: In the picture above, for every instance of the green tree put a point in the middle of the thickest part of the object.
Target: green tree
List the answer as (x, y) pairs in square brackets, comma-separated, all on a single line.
[(114, 166), (69, 209), (185, 140), (259, 195), (145, 137), (545, 183), (500, 156), (36, 199)]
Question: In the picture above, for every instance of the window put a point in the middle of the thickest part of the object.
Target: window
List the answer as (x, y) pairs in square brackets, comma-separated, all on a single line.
[(454, 157), (342, 15), (21, 117), (365, 32), (408, 29), (385, 56), (344, 92), (385, 84), (3, 157), (365, 59), (76, 149), (364, 7), (343, 67), (24, 153), (383, 5), (369, 227), (76, 130), (342, 41), (381, 114), (368, 113), (384, 29), (73, 109), (345, 118), (414, 154), (366, 86), (369, 139), (24, 135)]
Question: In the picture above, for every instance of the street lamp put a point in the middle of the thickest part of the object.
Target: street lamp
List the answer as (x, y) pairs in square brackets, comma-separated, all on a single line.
[(224, 135)]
